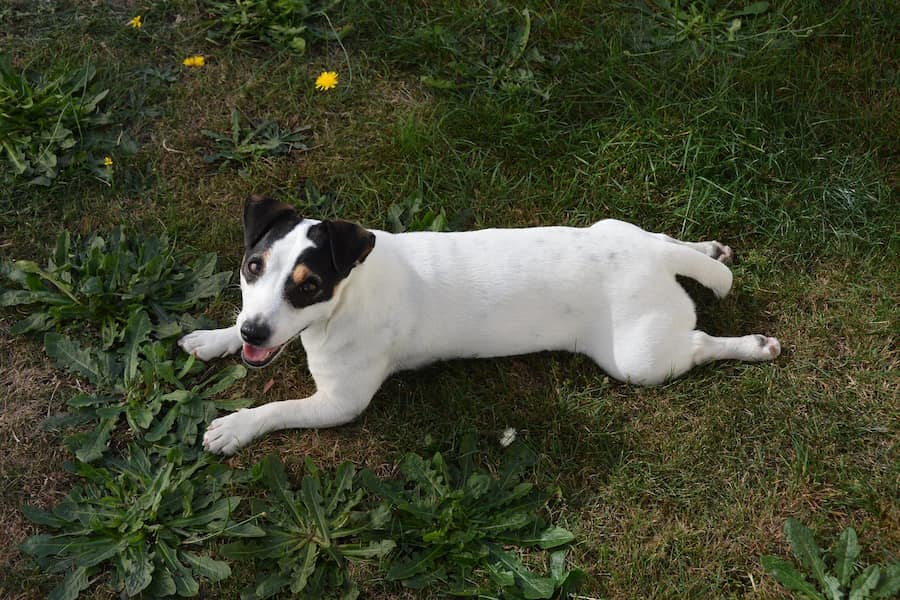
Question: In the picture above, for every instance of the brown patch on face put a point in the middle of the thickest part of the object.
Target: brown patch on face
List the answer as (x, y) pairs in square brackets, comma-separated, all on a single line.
[(300, 273)]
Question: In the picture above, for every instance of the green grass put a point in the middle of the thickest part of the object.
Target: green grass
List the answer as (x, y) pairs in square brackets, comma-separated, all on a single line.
[(781, 143)]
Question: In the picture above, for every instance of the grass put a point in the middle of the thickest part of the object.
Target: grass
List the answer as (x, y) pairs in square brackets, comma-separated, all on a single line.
[(781, 143)]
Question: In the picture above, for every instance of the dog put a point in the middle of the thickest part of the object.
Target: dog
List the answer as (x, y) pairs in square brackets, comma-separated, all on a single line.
[(368, 303)]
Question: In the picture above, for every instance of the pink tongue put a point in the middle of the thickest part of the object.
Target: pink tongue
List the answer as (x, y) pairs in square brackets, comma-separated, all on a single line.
[(255, 354)]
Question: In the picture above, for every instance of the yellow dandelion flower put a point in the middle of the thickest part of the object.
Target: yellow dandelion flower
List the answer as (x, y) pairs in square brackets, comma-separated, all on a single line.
[(136, 22), (194, 61), (107, 160), (326, 81)]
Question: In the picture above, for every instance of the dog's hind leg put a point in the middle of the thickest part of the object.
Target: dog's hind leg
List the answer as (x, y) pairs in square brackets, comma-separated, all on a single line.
[(712, 249), (751, 348), (207, 344), (699, 267)]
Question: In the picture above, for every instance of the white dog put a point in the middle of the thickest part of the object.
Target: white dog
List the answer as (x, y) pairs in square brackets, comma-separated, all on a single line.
[(368, 303)]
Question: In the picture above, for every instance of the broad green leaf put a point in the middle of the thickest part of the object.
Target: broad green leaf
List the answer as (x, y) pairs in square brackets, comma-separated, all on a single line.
[(305, 568), (93, 551), (566, 581), (92, 444), (372, 550), (66, 420), (419, 563), (82, 400), (519, 457), (63, 246), (394, 495), (275, 479), (423, 473), (502, 577), (245, 530), (139, 416), (468, 446), (139, 572), (520, 39), (137, 332), (75, 581), (162, 585), (178, 396), (342, 482), (224, 379), (233, 404), (532, 586), (845, 553), (889, 584), (555, 536), (809, 554), (214, 570), (266, 586), (558, 565), (756, 8), (787, 575), (39, 321), (43, 545), (478, 484), (42, 517), (508, 523), (185, 584), (864, 583), (162, 426), (220, 510), (69, 355), (246, 551), (27, 266), (311, 495)]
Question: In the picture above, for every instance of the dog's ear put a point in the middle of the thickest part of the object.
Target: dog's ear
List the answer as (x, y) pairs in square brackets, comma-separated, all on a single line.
[(261, 214), (350, 244)]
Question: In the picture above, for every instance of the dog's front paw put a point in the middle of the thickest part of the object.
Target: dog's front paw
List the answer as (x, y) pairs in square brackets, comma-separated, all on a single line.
[(207, 344), (226, 435)]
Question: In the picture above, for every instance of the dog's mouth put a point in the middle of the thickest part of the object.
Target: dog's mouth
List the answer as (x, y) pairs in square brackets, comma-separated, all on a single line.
[(257, 357)]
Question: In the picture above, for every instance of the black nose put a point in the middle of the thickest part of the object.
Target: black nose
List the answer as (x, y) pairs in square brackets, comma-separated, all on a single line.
[(255, 333)]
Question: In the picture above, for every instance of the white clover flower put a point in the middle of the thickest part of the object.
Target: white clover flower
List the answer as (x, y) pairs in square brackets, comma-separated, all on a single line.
[(508, 436)]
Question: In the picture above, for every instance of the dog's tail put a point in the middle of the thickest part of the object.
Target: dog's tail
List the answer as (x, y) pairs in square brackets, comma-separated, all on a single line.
[(696, 265)]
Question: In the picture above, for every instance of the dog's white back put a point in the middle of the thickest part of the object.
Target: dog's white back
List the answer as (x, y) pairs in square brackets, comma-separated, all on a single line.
[(380, 302)]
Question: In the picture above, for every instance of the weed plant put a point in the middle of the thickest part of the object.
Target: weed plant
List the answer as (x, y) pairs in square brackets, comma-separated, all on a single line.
[(290, 24), (844, 579), (245, 144), (141, 516), (51, 123)]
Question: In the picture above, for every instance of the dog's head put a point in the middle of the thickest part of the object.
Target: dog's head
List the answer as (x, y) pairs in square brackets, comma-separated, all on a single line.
[(291, 274)]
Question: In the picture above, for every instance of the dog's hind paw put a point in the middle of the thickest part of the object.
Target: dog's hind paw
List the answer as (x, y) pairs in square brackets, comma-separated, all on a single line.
[(207, 344), (769, 348), (722, 253)]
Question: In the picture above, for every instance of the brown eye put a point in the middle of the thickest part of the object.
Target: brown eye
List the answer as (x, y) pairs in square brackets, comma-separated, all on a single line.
[(309, 286), (255, 266)]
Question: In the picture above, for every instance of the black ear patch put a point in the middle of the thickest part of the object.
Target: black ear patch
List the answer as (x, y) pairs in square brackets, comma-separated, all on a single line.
[(263, 215), (350, 245), (339, 246)]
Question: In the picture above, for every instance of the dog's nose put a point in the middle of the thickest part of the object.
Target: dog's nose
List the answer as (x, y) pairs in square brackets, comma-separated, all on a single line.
[(255, 333)]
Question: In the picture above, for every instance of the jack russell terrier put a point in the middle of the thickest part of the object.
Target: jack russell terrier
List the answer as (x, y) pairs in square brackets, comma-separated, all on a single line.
[(369, 303)]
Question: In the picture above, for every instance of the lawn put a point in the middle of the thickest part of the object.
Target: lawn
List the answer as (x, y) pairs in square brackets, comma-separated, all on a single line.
[(772, 127)]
